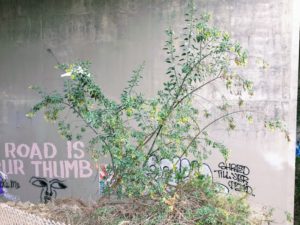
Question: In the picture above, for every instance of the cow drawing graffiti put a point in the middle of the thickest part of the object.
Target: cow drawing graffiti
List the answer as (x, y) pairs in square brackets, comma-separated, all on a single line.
[(48, 187)]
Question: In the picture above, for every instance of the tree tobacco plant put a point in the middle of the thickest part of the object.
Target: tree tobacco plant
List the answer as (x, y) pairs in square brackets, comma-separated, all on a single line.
[(169, 125)]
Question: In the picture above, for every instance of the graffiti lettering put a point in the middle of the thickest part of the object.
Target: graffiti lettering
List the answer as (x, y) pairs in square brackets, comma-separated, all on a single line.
[(185, 168), (25, 151), (9, 184), (62, 168), (237, 186), (12, 166), (42, 159), (5, 184), (206, 170), (237, 175), (178, 167), (234, 167), (3, 177)]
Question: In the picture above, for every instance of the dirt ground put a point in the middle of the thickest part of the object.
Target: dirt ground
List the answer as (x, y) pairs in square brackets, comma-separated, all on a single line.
[(60, 210)]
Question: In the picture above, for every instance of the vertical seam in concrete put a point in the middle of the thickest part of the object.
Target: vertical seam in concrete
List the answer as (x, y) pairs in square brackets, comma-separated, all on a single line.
[(294, 61)]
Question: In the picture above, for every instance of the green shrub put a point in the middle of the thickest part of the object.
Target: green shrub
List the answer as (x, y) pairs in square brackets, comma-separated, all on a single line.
[(135, 128), (168, 125)]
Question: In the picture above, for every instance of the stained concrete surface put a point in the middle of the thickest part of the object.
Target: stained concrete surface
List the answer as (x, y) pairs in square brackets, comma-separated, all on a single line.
[(117, 36)]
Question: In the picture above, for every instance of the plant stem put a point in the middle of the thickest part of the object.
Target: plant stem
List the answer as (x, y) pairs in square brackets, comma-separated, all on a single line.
[(196, 89), (91, 127), (214, 121)]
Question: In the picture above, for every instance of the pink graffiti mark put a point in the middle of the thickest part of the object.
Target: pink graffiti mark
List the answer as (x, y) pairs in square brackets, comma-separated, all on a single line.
[(106, 179), (103, 172)]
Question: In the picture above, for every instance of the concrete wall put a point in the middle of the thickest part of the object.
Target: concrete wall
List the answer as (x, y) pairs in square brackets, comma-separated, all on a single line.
[(116, 36)]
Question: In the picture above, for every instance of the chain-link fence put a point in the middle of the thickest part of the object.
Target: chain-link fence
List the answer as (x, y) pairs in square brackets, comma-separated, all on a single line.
[(12, 216)]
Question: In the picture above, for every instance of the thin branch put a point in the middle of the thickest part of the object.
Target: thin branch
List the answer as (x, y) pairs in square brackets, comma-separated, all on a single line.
[(150, 150), (196, 89), (192, 68), (197, 125), (214, 121), (79, 114), (225, 115), (205, 99), (148, 138), (172, 56), (92, 128), (175, 103), (191, 18)]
